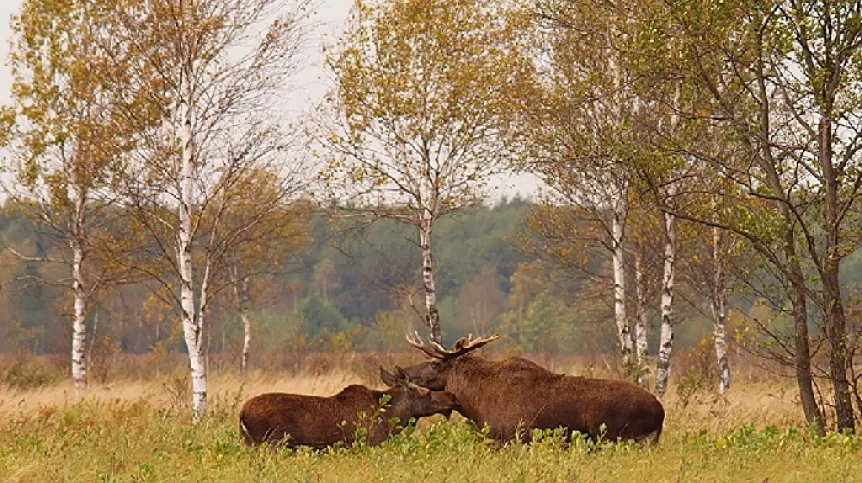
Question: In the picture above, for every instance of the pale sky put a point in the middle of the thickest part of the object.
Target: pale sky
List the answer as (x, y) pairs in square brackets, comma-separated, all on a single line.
[(7, 8), (309, 84)]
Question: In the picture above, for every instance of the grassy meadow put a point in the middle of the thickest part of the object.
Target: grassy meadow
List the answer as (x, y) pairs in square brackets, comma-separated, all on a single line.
[(138, 430)]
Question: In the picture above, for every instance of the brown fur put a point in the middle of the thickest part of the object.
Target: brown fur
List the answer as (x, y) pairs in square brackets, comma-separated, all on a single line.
[(518, 394), (296, 420)]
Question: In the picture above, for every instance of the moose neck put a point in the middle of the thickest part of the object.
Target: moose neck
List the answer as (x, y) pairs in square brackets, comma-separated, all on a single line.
[(464, 379), (367, 402)]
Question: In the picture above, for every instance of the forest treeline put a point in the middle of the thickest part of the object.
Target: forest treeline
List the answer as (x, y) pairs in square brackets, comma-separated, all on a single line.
[(339, 291), (345, 288)]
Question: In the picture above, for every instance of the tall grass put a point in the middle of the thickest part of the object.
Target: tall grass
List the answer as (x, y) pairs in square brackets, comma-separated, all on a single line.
[(140, 440), (132, 429)]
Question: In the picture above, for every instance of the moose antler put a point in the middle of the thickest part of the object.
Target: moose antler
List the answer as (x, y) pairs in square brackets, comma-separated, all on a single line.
[(417, 343), (459, 348)]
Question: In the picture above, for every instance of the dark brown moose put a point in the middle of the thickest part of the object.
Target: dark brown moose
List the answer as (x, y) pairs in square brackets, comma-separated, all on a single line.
[(517, 395), (295, 420)]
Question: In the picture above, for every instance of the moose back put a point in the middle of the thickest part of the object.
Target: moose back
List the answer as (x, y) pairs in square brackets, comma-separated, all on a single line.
[(297, 420), (519, 395)]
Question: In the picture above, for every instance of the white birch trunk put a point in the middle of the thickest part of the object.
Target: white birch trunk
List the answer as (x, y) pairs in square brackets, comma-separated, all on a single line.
[(666, 336), (202, 314), (79, 320), (94, 334), (240, 290), (620, 316), (246, 341), (432, 317), (642, 323), (190, 319), (79, 292), (719, 314)]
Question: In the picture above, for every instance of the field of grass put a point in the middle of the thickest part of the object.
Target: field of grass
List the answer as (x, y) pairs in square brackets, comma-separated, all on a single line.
[(140, 431)]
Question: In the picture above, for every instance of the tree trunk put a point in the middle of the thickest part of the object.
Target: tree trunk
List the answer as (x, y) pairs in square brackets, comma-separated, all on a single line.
[(719, 312), (836, 335), (240, 290), (94, 336), (192, 329), (246, 341), (834, 318), (79, 321), (620, 213), (641, 326), (662, 372), (802, 344), (798, 295), (620, 317), (432, 317), (79, 289), (666, 337)]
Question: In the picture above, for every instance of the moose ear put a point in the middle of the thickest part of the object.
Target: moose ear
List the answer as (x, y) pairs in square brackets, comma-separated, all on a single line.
[(401, 376), (388, 378), (460, 343)]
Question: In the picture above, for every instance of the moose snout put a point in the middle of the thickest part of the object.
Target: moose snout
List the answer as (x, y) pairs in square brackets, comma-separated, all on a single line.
[(447, 400)]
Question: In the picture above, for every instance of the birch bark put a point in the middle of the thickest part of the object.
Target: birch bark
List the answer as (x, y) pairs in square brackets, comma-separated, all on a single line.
[(432, 317), (662, 372), (79, 291), (79, 322), (641, 325), (619, 267), (246, 340), (666, 337), (190, 318), (428, 206), (719, 313), (240, 291)]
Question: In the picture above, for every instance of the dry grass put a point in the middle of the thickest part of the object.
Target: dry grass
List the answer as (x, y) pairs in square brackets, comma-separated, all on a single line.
[(757, 397), (171, 391), (139, 430), (758, 403)]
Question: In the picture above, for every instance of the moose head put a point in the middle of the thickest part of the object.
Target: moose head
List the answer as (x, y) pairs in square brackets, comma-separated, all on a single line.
[(433, 374), (414, 400)]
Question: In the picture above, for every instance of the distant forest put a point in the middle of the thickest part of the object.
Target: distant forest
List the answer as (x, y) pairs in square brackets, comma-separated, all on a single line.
[(349, 288)]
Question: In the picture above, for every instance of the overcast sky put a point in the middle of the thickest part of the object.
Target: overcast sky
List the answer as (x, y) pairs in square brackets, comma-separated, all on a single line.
[(7, 7), (330, 16), (308, 85)]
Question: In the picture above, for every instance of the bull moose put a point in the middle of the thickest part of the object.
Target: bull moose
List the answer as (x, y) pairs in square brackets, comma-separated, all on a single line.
[(296, 420), (517, 395)]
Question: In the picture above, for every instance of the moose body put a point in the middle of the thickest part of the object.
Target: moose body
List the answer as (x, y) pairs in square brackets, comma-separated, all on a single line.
[(297, 420), (518, 395)]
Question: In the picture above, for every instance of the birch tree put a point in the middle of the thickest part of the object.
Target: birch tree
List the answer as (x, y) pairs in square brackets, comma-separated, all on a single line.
[(265, 250), (66, 143), (667, 292), (420, 118), (669, 270), (219, 66), (647, 243), (780, 81), (641, 323), (252, 272), (718, 304), (583, 127)]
